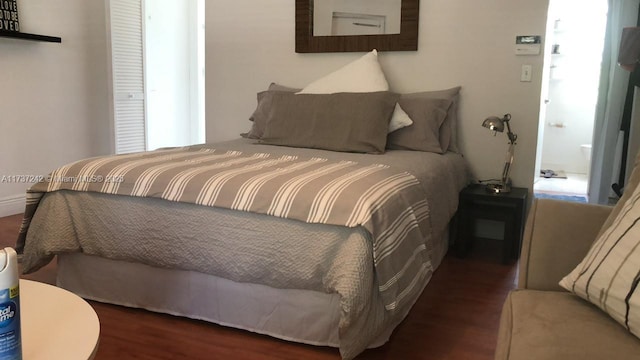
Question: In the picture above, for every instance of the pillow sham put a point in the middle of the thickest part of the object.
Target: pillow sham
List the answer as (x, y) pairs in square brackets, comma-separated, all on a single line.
[(277, 87), (350, 122), (428, 116), (399, 119), (608, 276), (362, 75), (448, 132), (259, 117), (257, 128)]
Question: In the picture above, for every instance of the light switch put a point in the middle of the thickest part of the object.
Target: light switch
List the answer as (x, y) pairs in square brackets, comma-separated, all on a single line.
[(525, 74)]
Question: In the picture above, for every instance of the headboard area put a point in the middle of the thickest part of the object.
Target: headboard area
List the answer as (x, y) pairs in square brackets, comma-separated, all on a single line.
[(462, 44)]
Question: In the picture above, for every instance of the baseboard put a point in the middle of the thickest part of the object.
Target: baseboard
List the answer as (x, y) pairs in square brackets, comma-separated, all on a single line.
[(12, 205)]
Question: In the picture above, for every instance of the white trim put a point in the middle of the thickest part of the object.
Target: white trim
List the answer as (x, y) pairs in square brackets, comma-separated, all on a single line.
[(145, 96), (197, 67), (12, 205), (111, 100)]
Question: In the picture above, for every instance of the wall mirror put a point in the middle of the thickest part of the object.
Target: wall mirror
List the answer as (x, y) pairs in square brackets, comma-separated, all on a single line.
[(356, 25)]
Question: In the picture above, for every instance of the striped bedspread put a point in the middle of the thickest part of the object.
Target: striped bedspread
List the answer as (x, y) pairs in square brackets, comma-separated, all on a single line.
[(389, 203)]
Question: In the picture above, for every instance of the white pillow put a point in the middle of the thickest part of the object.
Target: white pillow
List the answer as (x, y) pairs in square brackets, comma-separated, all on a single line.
[(608, 276), (399, 119), (362, 75), (359, 76)]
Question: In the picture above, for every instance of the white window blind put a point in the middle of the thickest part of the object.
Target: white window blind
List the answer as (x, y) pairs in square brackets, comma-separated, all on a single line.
[(128, 75)]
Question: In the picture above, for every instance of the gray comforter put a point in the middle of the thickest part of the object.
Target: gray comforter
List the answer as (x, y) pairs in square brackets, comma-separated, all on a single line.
[(381, 257)]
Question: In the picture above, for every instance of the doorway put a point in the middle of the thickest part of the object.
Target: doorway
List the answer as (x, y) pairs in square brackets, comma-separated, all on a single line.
[(174, 72), (156, 61), (575, 39)]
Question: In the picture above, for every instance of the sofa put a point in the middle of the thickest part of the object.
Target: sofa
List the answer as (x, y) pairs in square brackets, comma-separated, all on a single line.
[(540, 320)]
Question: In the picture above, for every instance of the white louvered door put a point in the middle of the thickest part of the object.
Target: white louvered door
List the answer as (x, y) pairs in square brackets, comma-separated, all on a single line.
[(127, 66)]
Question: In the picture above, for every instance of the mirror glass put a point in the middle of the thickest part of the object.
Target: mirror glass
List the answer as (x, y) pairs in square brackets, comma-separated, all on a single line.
[(356, 17), (356, 25)]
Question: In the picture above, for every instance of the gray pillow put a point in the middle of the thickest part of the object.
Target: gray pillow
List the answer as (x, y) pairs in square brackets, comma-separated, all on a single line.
[(260, 113), (277, 87), (448, 132), (428, 116), (352, 122)]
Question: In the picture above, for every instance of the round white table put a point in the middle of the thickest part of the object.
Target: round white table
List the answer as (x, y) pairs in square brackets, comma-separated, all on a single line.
[(56, 324)]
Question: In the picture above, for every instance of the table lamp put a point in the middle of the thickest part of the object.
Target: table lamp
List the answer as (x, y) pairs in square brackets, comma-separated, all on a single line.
[(497, 124)]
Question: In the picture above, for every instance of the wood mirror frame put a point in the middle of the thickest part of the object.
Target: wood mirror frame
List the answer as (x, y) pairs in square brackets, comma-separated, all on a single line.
[(406, 40)]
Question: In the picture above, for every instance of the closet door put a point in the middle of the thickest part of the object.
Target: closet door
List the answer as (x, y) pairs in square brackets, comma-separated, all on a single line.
[(126, 48)]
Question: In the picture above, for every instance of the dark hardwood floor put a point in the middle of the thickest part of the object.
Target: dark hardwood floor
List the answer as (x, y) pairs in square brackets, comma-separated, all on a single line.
[(456, 317)]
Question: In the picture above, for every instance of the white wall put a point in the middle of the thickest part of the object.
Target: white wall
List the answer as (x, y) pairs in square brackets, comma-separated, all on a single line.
[(467, 42), (53, 97)]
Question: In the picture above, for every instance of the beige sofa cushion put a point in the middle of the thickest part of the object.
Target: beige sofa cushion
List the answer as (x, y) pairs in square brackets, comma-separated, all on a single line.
[(552, 248), (545, 325)]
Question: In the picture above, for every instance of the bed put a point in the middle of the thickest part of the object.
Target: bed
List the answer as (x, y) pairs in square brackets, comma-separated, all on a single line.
[(273, 234)]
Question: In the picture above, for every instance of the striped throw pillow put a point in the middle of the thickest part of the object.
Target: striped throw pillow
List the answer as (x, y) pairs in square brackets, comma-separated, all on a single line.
[(609, 275)]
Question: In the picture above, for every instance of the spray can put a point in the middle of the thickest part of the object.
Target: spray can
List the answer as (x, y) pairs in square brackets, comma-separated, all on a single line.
[(10, 337)]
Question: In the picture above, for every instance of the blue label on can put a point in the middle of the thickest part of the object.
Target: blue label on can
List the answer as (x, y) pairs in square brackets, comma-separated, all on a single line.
[(10, 344), (7, 313)]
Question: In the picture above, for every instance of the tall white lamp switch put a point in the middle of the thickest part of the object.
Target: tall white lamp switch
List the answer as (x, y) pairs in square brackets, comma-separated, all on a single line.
[(525, 74)]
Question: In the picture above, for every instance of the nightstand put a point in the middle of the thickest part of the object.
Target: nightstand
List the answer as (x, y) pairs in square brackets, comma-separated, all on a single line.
[(477, 203)]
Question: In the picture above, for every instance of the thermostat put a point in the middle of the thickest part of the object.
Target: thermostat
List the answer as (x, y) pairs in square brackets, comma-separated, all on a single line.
[(528, 44)]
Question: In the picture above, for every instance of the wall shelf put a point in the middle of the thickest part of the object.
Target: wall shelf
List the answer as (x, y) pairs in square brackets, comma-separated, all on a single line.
[(27, 36)]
